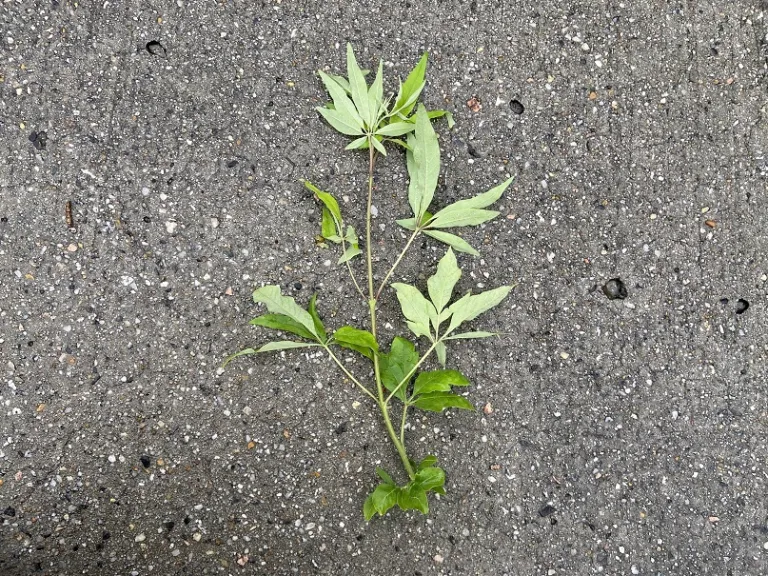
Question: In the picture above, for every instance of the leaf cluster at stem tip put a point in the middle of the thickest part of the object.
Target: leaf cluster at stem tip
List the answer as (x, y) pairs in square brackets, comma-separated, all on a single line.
[(401, 375)]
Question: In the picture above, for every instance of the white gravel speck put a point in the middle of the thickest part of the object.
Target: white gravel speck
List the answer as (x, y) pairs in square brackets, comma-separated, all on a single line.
[(439, 559), (140, 537), (170, 226), (112, 458)]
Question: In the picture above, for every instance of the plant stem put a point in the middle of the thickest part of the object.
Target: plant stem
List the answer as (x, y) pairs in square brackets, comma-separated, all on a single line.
[(402, 423), (349, 374), (399, 258), (349, 268), (399, 445)]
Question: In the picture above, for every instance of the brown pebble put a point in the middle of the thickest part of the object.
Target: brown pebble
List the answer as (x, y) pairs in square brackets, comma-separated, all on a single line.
[(710, 223), (474, 104), (251, 445), (286, 433), (488, 409), (593, 95), (495, 466)]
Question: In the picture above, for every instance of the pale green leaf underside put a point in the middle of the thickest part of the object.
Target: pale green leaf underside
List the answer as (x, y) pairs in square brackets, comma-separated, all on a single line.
[(279, 304), (440, 286), (456, 242), (472, 305)]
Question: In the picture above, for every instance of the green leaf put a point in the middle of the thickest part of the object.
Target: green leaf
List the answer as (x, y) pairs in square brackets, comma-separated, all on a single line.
[(486, 198), (279, 304), (408, 223), (399, 143), (439, 114), (382, 499), (427, 462), (440, 286), (413, 497), (439, 401), (469, 212), (396, 129), (284, 323), (328, 228), (419, 329), (479, 334), (438, 381), (379, 146), (358, 340), (319, 328), (340, 121), (396, 365), (430, 478), (358, 144), (440, 351), (349, 253), (411, 88), (369, 508), (376, 96), (341, 81), (423, 164), (384, 476), (341, 101), (245, 352), (456, 242), (471, 306), (357, 85), (450, 218), (353, 249), (328, 201), (284, 345), (415, 307)]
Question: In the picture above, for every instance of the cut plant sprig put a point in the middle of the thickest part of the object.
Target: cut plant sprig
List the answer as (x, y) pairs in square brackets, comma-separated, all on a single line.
[(361, 111)]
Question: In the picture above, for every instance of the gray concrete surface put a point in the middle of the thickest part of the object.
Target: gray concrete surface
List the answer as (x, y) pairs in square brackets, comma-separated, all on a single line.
[(627, 436)]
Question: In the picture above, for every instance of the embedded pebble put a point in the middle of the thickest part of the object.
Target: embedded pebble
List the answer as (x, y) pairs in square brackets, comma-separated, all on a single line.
[(140, 538), (615, 289), (516, 106), (170, 226), (741, 306)]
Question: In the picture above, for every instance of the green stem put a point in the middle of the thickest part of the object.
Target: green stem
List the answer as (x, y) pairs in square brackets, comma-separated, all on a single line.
[(399, 445), (397, 262), (349, 374), (349, 268), (402, 423)]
